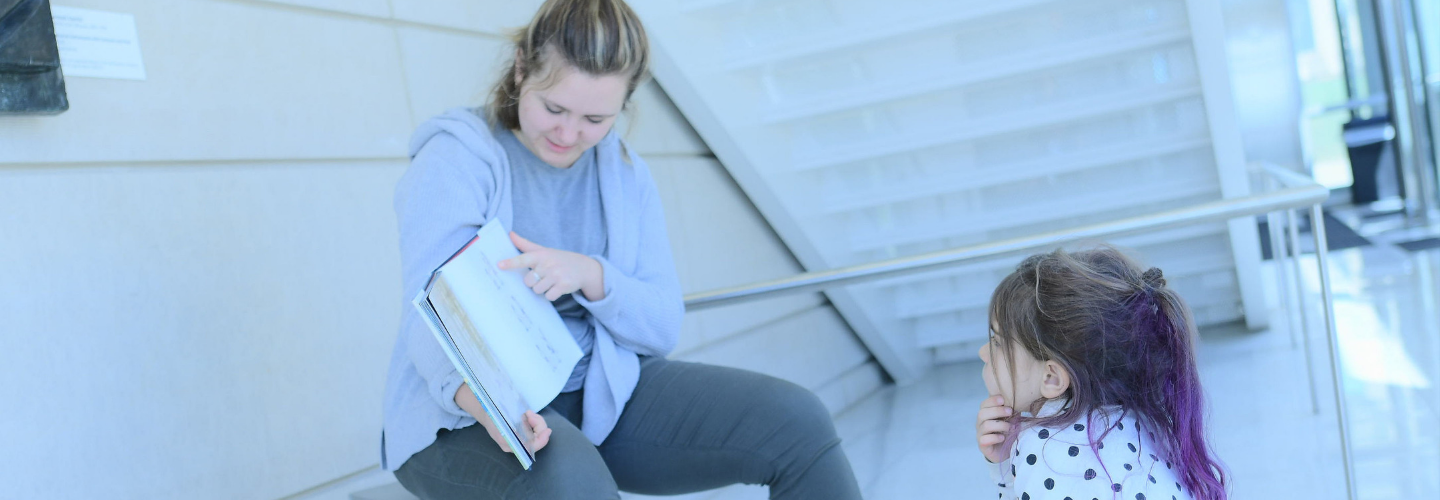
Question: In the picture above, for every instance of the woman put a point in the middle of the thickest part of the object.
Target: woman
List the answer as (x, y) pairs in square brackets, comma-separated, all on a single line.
[(543, 159)]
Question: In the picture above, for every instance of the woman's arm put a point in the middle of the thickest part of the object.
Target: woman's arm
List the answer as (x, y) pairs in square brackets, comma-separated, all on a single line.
[(642, 310), (438, 207)]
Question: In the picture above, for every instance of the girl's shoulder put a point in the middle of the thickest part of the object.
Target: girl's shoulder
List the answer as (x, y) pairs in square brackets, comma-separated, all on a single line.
[(1106, 450), (1100, 428)]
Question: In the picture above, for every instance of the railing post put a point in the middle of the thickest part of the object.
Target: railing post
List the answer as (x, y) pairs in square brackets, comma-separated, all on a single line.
[(1322, 251), (1278, 257), (1299, 288)]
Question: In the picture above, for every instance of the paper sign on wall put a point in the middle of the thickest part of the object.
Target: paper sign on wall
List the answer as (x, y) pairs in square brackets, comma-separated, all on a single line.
[(97, 44)]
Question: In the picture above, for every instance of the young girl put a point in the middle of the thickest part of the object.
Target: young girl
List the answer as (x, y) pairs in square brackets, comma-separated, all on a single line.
[(1094, 391)]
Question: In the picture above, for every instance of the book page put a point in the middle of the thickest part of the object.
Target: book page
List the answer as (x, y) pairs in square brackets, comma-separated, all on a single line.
[(522, 330), (481, 361)]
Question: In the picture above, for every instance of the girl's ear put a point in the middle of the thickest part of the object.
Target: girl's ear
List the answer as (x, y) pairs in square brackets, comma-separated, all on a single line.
[(1056, 382)]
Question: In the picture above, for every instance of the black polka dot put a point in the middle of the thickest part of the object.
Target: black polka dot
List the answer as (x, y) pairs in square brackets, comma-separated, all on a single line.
[(1132, 447), (1100, 445), (1177, 486), (1030, 459), (1002, 485), (1115, 487), (1017, 451), (1067, 498), (1089, 474), (1044, 433), (1024, 496), (1002, 495), (1153, 457), (1167, 464), (1012, 469), (1049, 483), (1139, 496), (1079, 427), (1128, 467), (1152, 479), (1121, 424), (1074, 451)]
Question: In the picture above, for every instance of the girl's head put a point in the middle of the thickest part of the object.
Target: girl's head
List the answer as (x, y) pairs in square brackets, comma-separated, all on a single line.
[(575, 67), (1093, 328)]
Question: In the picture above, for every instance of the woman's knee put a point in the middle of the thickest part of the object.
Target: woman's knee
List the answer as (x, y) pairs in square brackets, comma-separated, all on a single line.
[(804, 437), (568, 467), (466, 463), (799, 409)]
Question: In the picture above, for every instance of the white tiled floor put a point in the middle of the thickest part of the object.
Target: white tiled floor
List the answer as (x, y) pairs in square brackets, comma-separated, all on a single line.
[(917, 441)]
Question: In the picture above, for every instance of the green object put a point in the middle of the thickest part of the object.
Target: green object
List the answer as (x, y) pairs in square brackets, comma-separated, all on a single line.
[(31, 81)]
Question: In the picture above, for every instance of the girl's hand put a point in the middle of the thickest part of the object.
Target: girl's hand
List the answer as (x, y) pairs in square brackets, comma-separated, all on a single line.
[(554, 273), (992, 425)]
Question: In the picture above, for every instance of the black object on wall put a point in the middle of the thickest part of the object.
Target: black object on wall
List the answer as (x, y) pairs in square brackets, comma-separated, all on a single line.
[(30, 77), (1372, 159)]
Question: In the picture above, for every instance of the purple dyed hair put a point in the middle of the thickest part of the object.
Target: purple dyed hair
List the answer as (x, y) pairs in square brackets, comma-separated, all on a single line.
[(1126, 340)]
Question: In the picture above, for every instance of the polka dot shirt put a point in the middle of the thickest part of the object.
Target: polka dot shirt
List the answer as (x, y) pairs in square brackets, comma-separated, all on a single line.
[(1058, 463)]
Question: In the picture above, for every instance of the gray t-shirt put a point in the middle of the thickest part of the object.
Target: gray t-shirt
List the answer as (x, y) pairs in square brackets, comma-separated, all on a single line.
[(559, 208)]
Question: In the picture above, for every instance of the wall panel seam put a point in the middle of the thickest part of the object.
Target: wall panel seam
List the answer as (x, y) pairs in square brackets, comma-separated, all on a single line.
[(391, 21)]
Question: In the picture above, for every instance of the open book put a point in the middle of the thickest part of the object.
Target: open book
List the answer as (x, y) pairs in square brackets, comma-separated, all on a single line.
[(508, 342)]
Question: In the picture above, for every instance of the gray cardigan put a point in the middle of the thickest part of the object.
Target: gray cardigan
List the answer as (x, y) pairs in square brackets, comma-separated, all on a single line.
[(458, 179)]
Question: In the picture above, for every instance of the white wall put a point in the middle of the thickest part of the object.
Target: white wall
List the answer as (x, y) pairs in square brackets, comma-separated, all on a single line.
[(722, 241), (1263, 78), (198, 272)]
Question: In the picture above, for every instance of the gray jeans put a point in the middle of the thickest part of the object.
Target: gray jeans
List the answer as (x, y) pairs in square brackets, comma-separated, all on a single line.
[(688, 427)]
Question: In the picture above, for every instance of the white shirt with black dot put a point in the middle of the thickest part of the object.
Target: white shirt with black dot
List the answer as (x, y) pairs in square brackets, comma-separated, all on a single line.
[(1059, 463)]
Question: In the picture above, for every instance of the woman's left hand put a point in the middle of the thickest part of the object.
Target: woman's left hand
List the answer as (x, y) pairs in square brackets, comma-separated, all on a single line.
[(554, 273)]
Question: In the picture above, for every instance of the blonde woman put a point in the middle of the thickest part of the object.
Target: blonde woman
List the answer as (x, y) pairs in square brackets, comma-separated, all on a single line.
[(543, 159)]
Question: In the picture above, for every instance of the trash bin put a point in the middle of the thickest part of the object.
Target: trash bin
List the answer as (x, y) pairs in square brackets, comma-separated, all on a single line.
[(1372, 159)]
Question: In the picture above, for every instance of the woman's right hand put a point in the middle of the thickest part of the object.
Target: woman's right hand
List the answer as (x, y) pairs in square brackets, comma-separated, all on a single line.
[(465, 398), (992, 424)]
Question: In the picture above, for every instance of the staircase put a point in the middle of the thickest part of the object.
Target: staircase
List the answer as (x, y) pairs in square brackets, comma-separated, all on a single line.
[(867, 130)]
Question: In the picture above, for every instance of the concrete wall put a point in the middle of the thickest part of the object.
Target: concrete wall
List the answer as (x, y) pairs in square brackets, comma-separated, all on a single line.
[(1263, 80), (199, 282)]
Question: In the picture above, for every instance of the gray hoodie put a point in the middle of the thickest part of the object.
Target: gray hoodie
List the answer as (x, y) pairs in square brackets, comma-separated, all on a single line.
[(458, 179)]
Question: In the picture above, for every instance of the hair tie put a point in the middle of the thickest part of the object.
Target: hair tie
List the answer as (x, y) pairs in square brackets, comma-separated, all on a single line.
[(1154, 278)]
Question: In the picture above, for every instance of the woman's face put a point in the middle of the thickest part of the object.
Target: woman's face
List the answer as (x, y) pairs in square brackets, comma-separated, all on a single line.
[(558, 123)]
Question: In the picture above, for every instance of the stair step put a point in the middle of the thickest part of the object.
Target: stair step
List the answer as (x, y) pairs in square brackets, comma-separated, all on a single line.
[(392, 491)]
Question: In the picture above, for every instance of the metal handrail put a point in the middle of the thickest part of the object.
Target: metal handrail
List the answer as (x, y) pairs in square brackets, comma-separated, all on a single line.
[(1374, 101), (1298, 195)]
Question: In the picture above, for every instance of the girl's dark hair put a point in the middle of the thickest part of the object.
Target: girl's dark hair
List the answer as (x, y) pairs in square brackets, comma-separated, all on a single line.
[(598, 37), (1125, 338)]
